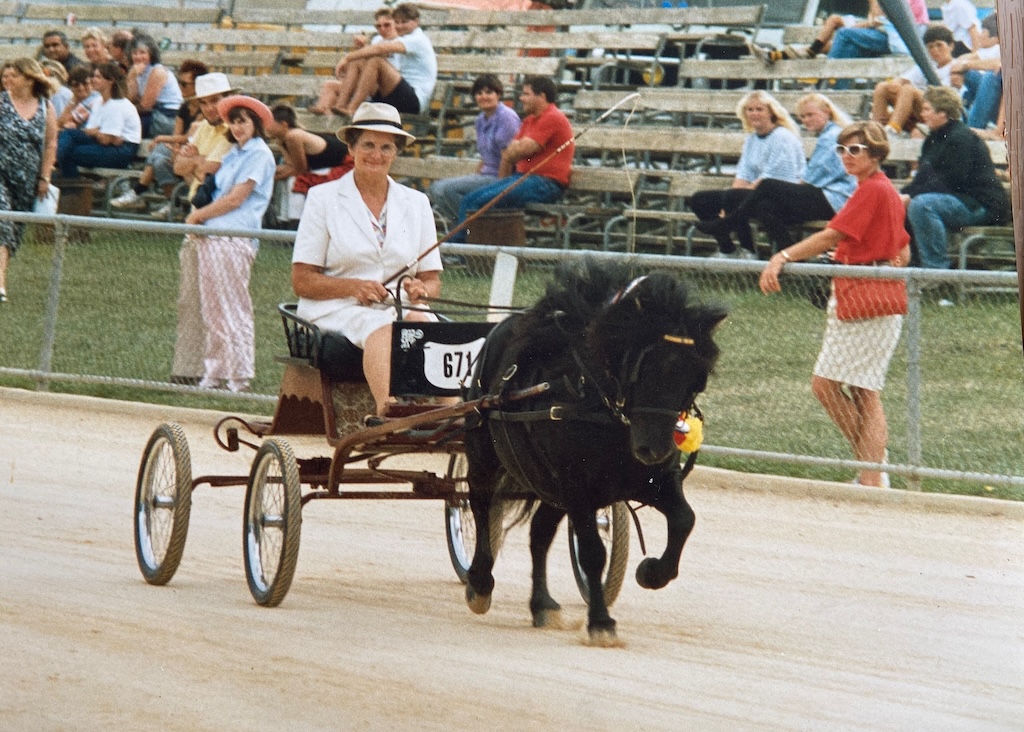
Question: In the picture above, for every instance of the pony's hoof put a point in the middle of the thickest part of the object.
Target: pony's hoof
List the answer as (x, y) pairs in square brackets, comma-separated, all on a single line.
[(603, 638), (649, 575), (479, 604), (549, 619)]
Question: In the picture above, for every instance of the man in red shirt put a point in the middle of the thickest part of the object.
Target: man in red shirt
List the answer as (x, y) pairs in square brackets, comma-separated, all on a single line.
[(540, 155)]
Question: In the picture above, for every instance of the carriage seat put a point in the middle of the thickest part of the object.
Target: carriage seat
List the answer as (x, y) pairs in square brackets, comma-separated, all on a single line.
[(334, 355)]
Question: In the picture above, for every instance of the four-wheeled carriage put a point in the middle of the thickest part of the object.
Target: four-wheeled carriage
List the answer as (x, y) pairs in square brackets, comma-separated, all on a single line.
[(323, 393)]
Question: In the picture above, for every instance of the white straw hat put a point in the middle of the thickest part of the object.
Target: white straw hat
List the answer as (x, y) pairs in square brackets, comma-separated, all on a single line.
[(214, 83), (376, 117)]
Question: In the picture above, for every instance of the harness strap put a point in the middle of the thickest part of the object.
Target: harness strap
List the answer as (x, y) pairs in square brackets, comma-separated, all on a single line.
[(555, 413)]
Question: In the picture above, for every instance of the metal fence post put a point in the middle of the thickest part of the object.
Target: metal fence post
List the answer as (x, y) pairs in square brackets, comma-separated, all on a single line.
[(913, 320), (60, 240)]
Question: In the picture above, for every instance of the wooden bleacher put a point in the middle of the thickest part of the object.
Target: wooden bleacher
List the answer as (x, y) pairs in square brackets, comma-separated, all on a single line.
[(798, 73), (696, 107), (117, 15)]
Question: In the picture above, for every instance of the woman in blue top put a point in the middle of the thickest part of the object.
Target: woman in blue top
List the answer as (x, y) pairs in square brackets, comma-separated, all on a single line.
[(244, 184), (772, 150), (779, 204), (153, 88)]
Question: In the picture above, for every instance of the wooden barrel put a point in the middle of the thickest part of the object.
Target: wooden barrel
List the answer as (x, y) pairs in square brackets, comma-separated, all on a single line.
[(504, 227)]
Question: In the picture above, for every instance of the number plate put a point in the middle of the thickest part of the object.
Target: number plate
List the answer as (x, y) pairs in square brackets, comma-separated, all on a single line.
[(434, 359)]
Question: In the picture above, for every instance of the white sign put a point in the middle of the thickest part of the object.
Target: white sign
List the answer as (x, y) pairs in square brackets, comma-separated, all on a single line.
[(449, 365)]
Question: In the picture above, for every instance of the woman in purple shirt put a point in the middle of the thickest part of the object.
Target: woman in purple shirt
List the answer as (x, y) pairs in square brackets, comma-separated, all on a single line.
[(496, 125)]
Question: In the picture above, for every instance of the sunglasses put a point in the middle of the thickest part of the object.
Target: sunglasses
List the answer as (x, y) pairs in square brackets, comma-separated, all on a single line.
[(855, 149)]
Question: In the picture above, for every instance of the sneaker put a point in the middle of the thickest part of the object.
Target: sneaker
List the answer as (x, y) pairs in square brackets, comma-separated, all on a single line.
[(128, 201), (164, 213), (742, 253), (884, 481), (762, 54), (239, 386), (3, 296), (722, 255)]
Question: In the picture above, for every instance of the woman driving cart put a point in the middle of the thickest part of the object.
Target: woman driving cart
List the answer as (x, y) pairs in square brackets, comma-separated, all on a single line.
[(356, 232)]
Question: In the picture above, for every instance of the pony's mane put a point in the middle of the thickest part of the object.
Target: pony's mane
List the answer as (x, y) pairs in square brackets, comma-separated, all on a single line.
[(606, 305), (579, 292)]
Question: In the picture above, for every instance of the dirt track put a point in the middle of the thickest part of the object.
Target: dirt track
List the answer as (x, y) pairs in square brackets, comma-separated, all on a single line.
[(793, 610)]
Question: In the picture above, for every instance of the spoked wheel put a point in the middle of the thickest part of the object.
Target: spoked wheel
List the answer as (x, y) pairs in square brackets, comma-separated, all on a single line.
[(459, 524), (273, 520), (163, 503), (613, 528)]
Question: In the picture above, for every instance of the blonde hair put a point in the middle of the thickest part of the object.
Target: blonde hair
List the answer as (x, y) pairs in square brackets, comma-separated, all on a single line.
[(42, 85), (54, 69), (96, 34), (779, 114), (835, 114)]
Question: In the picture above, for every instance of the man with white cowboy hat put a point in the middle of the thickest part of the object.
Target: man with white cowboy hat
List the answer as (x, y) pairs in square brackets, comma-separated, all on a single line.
[(196, 159)]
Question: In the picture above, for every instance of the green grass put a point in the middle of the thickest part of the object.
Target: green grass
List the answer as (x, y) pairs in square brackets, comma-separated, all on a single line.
[(117, 317)]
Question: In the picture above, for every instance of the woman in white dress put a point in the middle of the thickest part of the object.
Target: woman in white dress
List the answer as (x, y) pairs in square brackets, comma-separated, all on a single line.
[(356, 232)]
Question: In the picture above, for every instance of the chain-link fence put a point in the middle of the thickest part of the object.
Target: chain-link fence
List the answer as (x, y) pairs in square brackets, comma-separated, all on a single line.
[(93, 308)]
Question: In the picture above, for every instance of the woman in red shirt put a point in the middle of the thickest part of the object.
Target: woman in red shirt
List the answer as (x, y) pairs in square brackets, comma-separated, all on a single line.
[(850, 371)]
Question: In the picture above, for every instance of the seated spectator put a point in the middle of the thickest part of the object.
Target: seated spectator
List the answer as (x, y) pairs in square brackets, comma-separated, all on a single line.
[(159, 167), (857, 37), (62, 95), (981, 76), (303, 151), (537, 161), (408, 87), (94, 46), (330, 95), (778, 204), (309, 158), (56, 48), (772, 149), (83, 99), (897, 103), (152, 88), (112, 134), (961, 17), (119, 46), (496, 126), (955, 184), (876, 36)]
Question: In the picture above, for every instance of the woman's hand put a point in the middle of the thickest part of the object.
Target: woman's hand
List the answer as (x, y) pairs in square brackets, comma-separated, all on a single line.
[(194, 219), (902, 259), (416, 289), (41, 189), (770, 275), (369, 292)]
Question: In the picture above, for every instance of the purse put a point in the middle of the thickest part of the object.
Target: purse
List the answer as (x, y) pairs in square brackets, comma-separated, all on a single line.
[(47, 205), (204, 194), (858, 299)]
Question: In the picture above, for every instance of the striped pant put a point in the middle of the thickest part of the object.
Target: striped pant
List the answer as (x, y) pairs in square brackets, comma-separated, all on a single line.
[(216, 334)]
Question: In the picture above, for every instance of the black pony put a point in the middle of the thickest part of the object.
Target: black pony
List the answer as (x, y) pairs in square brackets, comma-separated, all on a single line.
[(623, 357)]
